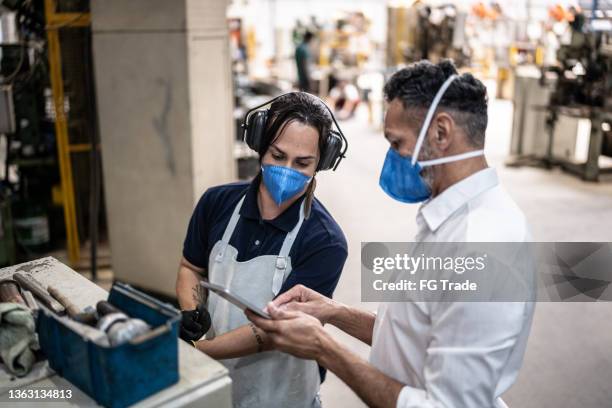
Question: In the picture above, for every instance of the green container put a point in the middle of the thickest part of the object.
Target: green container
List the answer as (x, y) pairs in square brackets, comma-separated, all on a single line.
[(32, 227)]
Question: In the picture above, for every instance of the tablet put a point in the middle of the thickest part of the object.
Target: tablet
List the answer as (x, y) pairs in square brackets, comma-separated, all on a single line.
[(234, 298)]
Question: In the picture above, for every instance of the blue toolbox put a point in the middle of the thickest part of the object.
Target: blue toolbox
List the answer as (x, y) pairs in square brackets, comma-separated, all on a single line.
[(125, 374)]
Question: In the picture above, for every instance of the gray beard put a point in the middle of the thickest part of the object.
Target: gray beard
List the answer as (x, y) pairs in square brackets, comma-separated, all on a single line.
[(427, 173)]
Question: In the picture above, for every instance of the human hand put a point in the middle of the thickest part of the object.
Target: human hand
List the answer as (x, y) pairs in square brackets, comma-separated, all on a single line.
[(302, 299), (292, 332), (194, 323)]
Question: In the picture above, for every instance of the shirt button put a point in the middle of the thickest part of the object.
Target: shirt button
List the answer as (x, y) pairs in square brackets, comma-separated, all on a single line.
[(257, 242)]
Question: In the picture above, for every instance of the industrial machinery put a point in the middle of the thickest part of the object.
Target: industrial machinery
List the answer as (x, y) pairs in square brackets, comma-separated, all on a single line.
[(51, 181), (574, 116), (426, 32)]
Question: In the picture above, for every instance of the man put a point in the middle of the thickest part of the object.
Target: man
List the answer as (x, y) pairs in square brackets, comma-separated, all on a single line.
[(344, 99), (447, 354), (302, 62)]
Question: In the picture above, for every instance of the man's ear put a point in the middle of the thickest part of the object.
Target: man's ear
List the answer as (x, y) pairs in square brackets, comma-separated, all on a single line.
[(443, 129)]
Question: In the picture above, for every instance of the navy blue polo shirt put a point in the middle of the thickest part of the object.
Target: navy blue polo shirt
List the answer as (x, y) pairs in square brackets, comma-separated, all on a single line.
[(318, 252)]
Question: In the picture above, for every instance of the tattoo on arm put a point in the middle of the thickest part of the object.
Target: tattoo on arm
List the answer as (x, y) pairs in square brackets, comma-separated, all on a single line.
[(199, 294), (260, 341)]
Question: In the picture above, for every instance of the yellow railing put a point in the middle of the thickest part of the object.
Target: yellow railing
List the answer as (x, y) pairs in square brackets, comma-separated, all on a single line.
[(56, 21)]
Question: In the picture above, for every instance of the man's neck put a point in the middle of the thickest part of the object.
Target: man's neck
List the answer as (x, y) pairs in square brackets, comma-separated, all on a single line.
[(452, 173), (268, 209)]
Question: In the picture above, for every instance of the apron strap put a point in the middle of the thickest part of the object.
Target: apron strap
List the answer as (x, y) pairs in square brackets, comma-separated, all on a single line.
[(283, 256), (229, 230), (291, 235)]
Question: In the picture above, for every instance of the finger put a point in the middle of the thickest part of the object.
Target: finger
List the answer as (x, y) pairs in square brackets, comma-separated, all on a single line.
[(255, 318), (280, 314), (266, 325), (295, 307), (252, 316), (191, 327), (295, 293)]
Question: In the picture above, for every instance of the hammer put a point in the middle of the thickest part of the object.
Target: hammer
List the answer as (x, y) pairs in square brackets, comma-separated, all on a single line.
[(87, 317), (27, 281)]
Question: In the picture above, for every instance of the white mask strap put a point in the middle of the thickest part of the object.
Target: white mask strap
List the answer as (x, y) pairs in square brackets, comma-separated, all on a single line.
[(430, 113), (448, 159)]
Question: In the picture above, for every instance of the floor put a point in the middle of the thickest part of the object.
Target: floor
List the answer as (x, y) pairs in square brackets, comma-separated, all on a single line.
[(569, 357)]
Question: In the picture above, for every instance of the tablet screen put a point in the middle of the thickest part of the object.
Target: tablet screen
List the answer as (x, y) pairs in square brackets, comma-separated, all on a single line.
[(234, 299)]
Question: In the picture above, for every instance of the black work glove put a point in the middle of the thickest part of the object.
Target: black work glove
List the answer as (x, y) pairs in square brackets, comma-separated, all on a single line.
[(194, 323)]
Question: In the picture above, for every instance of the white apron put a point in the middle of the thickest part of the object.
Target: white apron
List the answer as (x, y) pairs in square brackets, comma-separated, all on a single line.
[(267, 379)]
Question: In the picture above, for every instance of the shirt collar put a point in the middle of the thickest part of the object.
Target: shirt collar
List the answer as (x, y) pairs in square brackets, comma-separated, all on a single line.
[(286, 221), (437, 210)]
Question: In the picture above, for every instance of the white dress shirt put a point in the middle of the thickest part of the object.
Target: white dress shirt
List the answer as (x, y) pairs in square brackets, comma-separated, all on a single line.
[(457, 354)]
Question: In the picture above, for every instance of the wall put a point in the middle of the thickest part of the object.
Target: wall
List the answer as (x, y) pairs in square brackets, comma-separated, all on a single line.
[(164, 100)]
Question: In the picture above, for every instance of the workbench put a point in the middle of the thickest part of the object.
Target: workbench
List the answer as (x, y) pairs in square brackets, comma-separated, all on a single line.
[(203, 381)]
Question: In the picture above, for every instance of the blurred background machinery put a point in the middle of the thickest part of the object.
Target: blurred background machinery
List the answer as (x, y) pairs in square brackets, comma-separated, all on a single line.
[(551, 59), (563, 111), (51, 188), (423, 31)]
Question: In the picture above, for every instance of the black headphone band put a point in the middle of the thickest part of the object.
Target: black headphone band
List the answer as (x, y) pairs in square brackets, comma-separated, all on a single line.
[(341, 154)]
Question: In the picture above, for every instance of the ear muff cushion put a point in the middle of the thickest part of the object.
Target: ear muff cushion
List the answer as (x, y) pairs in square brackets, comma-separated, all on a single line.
[(330, 155), (255, 130)]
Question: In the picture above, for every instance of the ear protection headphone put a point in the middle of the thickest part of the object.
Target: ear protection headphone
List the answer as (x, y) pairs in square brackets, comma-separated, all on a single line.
[(254, 131)]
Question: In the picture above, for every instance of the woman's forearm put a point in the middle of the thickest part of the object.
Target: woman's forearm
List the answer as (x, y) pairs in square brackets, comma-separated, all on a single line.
[(240, 342), (188, 290), (187, 284)]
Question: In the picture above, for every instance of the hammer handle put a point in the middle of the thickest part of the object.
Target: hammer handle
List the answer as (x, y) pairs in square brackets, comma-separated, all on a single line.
[(71, 308), (29, 299), (28, 282), (103, 307)]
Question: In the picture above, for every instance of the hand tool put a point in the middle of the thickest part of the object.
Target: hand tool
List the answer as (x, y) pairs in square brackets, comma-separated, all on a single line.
[(28, 282), (88, 316), (29, 299)]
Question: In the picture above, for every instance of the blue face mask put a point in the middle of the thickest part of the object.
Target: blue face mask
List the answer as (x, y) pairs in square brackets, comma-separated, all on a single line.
[(401, 176), (401, 180), (283, 182)]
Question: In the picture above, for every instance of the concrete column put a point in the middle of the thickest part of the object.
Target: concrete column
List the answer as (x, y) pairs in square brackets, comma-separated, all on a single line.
[(164, 92)]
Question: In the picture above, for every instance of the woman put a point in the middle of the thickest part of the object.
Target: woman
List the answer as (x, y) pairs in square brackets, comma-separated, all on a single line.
[(259, 239)]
